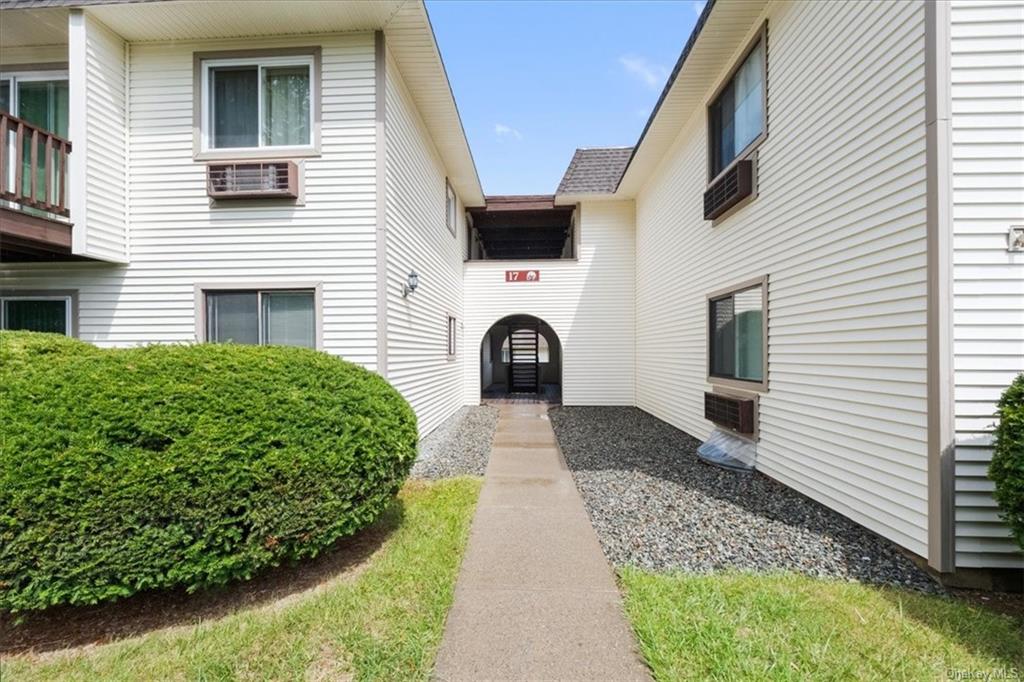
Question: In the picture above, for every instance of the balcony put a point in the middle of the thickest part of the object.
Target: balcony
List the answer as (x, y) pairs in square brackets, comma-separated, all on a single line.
[(526, 227), (35, 222)]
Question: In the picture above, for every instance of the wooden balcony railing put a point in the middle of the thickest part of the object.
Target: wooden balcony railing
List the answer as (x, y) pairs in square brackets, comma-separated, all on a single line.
[(33, 166)]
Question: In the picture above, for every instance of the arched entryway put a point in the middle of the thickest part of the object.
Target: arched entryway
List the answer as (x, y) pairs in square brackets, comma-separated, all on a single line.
[(521, 359)]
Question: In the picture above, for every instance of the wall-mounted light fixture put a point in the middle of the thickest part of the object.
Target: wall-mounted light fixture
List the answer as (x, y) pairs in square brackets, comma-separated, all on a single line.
[(411, 283), (1015, 239)]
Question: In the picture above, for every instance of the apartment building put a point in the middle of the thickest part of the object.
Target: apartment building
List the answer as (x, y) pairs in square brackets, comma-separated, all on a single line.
[(816, 244)]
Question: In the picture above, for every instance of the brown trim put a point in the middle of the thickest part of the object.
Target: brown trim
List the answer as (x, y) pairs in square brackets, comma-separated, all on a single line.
[(71, 294), (316, 79), (747, 152), (8, 70), (759, 386), (200, 289), (380, 57), (51, 233), (939, 316)]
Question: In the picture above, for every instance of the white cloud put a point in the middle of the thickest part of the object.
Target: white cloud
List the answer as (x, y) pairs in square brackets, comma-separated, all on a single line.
[(650, 74), (502, 130), (698, 5)]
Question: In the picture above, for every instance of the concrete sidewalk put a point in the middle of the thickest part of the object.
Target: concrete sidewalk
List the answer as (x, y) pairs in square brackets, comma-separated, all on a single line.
[(535, 599)]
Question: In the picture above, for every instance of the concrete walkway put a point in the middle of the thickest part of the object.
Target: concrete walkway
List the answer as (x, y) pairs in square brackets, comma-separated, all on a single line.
[(535, 599)]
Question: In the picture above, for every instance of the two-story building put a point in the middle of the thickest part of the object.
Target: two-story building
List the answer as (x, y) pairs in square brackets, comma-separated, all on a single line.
[(814, 246)]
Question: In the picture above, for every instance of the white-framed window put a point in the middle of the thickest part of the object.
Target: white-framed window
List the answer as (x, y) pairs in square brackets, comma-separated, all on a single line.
[(281, 317), (451, 207), (36, 313), (453, 325), (258, 103)]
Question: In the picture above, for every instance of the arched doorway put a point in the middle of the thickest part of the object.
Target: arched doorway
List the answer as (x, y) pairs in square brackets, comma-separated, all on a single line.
[(521, 359)]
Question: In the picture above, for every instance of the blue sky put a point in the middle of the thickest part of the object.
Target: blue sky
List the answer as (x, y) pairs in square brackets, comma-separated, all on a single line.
[(534, 80)]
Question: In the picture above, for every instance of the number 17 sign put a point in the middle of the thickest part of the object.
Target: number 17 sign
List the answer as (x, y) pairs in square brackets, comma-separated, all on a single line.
[(522, 275)]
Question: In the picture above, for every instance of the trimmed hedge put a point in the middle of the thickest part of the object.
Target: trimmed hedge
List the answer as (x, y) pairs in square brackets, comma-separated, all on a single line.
[(182, 466), (1007, 467)]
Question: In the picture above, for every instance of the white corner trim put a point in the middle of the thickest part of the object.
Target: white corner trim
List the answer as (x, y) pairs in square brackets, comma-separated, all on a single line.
[(77, 98), (939, 320)]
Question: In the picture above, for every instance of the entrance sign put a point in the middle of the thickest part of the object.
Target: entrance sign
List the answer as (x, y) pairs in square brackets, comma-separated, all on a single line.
[(522, 275)]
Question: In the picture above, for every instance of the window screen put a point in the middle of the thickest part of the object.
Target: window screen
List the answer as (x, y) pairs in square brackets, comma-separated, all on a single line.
[(233, 317), (234, 91), (288, 318)]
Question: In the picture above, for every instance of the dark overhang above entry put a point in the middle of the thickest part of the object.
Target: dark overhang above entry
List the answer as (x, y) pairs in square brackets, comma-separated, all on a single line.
[(522, 227)]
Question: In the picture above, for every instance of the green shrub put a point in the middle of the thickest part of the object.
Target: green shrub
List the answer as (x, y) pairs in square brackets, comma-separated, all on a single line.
[(182, 466), (1007, 468)]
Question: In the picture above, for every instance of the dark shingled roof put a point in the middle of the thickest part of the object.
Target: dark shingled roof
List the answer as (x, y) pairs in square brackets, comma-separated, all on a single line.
[(595, 170)]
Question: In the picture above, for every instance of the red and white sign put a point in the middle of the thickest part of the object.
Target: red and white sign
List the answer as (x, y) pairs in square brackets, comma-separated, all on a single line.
[(522, 275)]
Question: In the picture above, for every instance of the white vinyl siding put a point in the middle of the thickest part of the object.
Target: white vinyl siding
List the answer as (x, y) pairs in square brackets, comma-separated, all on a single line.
[(587, 302), (838, 227), (988, 281), (418, 239), (178, 240), (97, 117)]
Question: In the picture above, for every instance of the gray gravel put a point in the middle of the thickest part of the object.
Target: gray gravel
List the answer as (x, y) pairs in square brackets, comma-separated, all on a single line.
[(460, 446), (656, 506)]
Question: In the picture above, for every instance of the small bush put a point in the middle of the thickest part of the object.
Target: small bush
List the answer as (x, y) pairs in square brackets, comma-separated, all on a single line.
[(182, 466), (1007, 468)]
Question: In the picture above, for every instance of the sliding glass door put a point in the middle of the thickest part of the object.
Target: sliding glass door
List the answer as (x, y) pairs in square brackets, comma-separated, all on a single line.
[(40, 98)]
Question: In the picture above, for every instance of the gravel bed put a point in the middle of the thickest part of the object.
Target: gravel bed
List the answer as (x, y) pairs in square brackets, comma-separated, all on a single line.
[(656, 506), (460, 446)]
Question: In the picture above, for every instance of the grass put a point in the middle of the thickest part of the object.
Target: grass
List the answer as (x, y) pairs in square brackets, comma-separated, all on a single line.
[(789, 627), (385, 623)]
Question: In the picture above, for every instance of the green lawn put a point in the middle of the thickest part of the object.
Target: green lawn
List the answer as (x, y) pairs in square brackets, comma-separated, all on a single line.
[(384, 624), (789, 627)]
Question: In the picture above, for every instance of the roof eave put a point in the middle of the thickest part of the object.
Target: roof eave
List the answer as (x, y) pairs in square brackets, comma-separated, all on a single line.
[(570, 199), (648, 152)]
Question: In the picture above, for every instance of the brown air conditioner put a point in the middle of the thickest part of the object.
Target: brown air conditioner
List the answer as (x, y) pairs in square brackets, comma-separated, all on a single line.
[(252, 180), (733, 186), (733, 413)]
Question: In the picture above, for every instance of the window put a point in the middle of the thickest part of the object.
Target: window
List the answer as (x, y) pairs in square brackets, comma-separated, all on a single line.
[(258, 103), (277, 317), (451, 207), (36, 314), (736, 334), (543, 352), (736, 117), (452, 334)]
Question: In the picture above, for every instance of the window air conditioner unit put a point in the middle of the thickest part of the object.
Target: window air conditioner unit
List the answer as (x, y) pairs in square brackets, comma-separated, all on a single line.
[(252, 180), (736, 414), (733, 186)]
